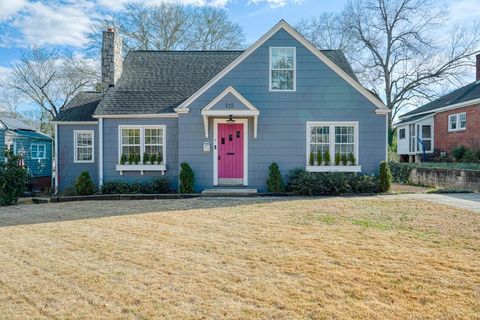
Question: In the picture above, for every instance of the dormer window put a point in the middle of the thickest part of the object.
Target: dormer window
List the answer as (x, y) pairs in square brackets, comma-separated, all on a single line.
[(283, 69)]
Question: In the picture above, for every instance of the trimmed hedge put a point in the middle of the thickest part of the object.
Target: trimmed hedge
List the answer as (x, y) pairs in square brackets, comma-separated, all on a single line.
[(401, 171), (155, 186), (302, 182), (385, 177)]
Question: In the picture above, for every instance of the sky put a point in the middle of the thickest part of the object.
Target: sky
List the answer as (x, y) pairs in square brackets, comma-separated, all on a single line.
[(65, 23)]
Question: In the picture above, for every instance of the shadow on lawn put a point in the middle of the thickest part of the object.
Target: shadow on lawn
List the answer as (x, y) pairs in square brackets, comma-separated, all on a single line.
[(70, 211)]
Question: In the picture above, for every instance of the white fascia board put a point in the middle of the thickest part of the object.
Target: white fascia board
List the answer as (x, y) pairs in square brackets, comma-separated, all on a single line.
[(449, 107), (137, 116), (413, 121), (75, 122), (236, 94), (284, 25)]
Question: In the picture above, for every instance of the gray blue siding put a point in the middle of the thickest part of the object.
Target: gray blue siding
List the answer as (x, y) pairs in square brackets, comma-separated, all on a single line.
[(111, 146), (2, 143), (321, 95), (67, 169)]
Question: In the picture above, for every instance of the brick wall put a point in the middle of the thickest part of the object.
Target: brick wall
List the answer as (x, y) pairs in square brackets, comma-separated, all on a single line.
[(445, 140)]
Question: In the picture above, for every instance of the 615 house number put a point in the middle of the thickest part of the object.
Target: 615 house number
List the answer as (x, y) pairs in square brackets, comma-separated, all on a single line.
[(228, 105)]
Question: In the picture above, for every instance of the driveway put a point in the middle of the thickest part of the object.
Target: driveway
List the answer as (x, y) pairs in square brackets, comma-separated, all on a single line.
[(469, 201)]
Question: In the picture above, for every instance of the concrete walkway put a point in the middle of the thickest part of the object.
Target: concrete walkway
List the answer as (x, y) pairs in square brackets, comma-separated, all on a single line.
[(469, 201)]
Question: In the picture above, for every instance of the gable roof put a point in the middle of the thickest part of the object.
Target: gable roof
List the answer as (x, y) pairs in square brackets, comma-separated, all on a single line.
[(461, 96), (183, 107), (413, 119), (81, 107), (158, 81), (32, 135)]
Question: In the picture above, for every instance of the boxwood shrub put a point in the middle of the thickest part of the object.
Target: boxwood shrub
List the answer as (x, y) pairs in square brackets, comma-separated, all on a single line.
[(302, 182), (155, 186)]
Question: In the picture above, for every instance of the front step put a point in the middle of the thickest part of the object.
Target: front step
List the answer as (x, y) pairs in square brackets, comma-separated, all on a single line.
[(229, 192)]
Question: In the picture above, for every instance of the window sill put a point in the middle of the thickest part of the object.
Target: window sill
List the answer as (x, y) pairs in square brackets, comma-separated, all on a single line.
[(141, 167), (334, 168), (456, 130)]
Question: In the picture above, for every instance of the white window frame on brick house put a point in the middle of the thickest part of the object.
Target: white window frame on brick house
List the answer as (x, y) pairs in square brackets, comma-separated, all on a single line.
[(293, 70), (76, 146), (457, 122), (37, 146), (331, 146)]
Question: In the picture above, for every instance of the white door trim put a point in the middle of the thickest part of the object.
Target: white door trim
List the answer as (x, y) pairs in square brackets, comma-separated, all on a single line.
[(216, 122)]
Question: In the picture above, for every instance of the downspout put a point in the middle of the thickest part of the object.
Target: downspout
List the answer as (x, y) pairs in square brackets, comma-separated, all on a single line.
[(56, 158), (100, 152)]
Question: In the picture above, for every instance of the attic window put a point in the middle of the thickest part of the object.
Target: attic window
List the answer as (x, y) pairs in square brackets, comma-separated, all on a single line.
[(282, 69)]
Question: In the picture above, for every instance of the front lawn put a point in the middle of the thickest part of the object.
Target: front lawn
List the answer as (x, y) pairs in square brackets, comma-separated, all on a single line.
[(285, 258)]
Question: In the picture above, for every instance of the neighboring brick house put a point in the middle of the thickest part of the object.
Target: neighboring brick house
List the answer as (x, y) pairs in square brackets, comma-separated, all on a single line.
[(441, 125)]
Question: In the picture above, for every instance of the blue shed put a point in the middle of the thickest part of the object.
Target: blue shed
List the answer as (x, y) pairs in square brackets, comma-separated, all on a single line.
[(35, 148)]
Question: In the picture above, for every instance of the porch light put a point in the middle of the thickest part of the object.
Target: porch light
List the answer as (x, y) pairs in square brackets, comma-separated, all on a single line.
[(230, 119)]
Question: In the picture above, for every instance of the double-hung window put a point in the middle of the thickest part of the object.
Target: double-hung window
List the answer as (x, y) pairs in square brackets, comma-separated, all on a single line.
[(401, 133), (457, 121), (427, 137), (143, 141), (38, 151), (332, 140), (282, 69), (84, 148)]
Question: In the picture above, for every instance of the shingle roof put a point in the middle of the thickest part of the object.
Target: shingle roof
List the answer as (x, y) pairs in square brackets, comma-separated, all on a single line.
[(14, 124), (413, 118), (81, 107), (32, 135), (159, 81), (469, 92)]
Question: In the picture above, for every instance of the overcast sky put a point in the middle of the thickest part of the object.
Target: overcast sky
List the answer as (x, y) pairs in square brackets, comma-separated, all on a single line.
[(64, 23)]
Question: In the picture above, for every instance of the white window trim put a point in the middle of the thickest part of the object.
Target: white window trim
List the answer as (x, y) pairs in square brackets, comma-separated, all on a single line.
[(44, 151), (142, 167), (294, 69), (332, 167), (457, 122), (75, 133), (405, 134)]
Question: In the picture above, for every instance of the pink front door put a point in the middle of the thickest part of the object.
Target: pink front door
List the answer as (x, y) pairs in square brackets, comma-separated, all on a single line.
[(230, 151)]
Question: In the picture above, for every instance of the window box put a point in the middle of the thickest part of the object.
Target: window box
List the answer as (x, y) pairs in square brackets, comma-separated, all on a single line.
[(141, 167), (334, 168)]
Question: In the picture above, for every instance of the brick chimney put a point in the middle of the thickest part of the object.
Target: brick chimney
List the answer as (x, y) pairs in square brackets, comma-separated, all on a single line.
[(112, 60), (478, 67)]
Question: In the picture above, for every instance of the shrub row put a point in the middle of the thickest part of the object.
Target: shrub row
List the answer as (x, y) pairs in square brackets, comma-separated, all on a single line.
[(13, 179), (155, 186), (331, 183), (464, 154)]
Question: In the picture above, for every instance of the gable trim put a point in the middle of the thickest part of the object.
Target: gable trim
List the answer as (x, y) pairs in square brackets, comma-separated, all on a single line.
[(447, 108), (136, 116), (233, 92), (283, 25)]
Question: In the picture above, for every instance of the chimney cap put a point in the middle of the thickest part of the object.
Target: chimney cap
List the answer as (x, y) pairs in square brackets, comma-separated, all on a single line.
[(110, 29)]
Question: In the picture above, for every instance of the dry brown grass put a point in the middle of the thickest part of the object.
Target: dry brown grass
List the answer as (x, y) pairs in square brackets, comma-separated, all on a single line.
[(257, 258)]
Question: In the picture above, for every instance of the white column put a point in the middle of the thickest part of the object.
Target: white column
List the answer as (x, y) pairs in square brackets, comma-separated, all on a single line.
[(100, 151)]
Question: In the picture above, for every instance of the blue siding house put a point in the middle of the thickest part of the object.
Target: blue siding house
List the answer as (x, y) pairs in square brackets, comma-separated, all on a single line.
[(34, 147), (229, 114)]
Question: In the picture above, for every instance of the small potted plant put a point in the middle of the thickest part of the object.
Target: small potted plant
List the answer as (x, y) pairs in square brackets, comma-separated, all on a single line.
[(137, 158), (327, 158), (153, 158), (319, 158), (351, 159), (131, 158), (146, 158), (123, 159), (338, 158), (344, 159), (310, 160)]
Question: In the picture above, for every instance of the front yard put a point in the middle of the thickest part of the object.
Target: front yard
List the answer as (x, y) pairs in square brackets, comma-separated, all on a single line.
[(251, 258)]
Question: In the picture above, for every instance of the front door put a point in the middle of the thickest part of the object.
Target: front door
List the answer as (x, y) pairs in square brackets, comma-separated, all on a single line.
[(230, 153)]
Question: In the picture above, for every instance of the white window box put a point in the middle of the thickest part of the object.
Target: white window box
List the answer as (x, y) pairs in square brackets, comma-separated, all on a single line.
[(141, 167), (334, 168)]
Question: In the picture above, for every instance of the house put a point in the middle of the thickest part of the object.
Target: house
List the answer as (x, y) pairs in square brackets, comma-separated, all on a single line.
[(34, 147), (229, 114), (441, 125)]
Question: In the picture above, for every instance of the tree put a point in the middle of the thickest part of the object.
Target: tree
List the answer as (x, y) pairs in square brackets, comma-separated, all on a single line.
[(401, 53), (49, 78), (170, 26)]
